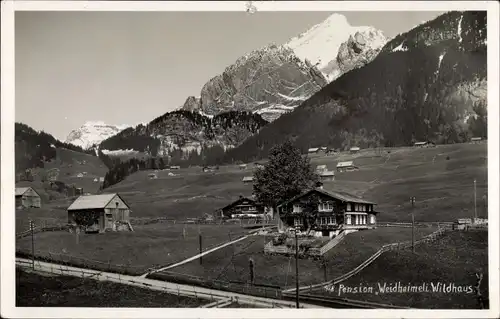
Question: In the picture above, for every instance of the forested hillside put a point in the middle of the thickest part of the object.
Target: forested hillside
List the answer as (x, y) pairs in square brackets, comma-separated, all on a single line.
[(430, 90)]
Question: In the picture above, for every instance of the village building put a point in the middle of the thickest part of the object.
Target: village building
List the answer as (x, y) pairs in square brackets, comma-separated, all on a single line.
[(27, 197), (420, 144), (476, 140), (330, 151), (321, 168), (207, 169), (327, 176), (80, 175), (313, 150), (152, 176), (175, 167), (336, 212), (242, 166), (104, 212), (243, 207), (101, 179), (346, 166), (247, 180), (354, 149)]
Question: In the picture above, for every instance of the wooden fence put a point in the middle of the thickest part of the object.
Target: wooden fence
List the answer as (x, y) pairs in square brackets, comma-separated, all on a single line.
[(41, 229)]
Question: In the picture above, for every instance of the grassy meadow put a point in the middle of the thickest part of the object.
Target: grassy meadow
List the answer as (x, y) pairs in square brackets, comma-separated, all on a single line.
[(455, 258), (231, 263), (131, 252), (40, 290)]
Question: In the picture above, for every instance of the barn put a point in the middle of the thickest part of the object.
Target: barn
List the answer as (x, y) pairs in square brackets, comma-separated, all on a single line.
[(27, 197), (100, 213)]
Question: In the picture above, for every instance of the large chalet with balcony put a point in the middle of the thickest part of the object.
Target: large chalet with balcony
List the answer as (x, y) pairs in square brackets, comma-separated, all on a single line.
[(336, 212), (243, 207)]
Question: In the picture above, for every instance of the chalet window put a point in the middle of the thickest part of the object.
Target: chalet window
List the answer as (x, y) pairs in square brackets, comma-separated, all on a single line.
[(348, 207), (297, 208), (297, 221), (348, 221), (372, 219)]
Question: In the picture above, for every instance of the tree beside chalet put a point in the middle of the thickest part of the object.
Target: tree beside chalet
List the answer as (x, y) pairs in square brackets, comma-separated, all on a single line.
[(336, 212), (100, 213), (27, 197)]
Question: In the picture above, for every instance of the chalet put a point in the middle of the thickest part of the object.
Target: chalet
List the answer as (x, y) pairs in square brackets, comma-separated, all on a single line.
[(313, 150), (321, 168), (152, 176), (420, 144), (323, 148), (207, 169), (27, 197), (80, 175), (346, 166), (243, 207), (242, 166), (354, 149), (336, 212), (175, 167), (476, 139), (101, 179), (105, 212), (330, 151), (96, 180), (327, 176), (247, 179)]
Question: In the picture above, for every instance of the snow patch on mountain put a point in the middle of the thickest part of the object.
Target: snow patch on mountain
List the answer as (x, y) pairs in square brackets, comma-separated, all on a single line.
[(321, 43), (400, 48), (93, 132)]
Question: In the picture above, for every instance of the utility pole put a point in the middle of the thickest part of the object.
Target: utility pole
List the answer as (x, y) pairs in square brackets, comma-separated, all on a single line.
[(32, 245), (475, 210), (412, 200), (201, 246), (296, 268)]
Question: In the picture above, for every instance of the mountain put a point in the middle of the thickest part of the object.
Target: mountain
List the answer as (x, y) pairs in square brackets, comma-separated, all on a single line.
[(185, 131), (273, 80), (425, 84), (331, 44), (92, 133)]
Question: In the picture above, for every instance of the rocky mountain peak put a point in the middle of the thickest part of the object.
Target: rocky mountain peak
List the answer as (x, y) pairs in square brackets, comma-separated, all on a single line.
[(93, 132)]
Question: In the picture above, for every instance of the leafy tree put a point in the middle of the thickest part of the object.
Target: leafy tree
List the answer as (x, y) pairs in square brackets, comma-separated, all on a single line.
[(86, 219), (286, 175), (310, 211)]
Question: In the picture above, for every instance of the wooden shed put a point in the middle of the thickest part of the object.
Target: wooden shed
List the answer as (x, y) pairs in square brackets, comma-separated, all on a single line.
[(100, 213), (27, 197)]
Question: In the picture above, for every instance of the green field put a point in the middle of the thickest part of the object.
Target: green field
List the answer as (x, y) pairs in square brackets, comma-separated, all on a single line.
[(443, 188), (37, 290), (129, 252), (455, 258), (279, 270)]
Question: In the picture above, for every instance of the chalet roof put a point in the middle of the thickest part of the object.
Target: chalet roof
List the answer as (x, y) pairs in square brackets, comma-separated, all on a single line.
[(314, 149), (476, 138), (354, 148), (345, 164), (236, 202), (92, 201), (345, 197), (21, 190), (247, 179), (420, 143)]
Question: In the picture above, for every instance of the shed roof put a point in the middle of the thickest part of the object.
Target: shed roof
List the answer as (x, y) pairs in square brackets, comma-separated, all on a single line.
[(247, 178), (354, 148), (92, 201), (476, 139), (21, 190), (420, 143), (345, 164), (335, 194), (327, 173), (314, 149)]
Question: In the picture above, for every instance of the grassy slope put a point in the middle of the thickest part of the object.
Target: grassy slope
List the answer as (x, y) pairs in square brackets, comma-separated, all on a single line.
[(443, 188), (453, 259), (36, 290), (280, 270), (156, 244)]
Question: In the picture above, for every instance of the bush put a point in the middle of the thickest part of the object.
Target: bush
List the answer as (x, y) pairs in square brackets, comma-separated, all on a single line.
[(279, 240)]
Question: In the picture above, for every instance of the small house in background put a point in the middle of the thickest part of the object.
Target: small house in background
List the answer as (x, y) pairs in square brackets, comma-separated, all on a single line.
[(346, 166), (27, 197), (208, 169), (475, 140), (96, 180), (243, 207), (354, 149), (321, 168), (323, 148), (247, 180), (175, 167), (78, 191), (330, 151), (420, 144), (100, 213), (327, 176), (242, 166), (313, 150), (101, 179), (152, 176), (79, 175)]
